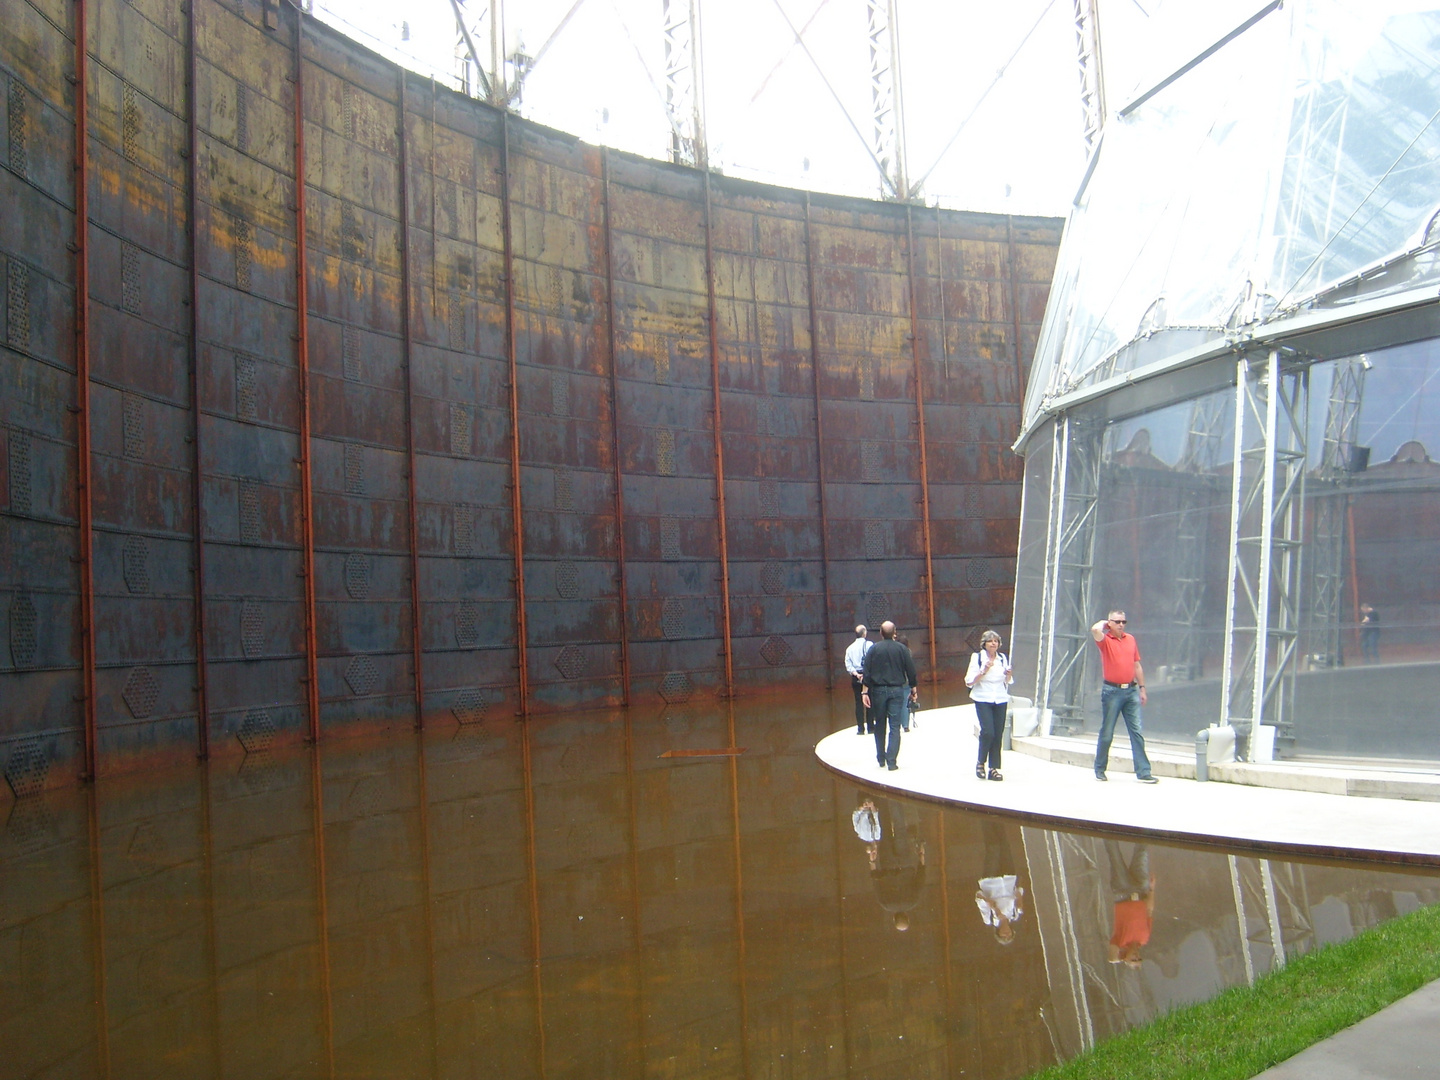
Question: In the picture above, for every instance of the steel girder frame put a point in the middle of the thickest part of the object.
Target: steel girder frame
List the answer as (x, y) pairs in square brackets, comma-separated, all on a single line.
[(1262, 607), (1070, 556)]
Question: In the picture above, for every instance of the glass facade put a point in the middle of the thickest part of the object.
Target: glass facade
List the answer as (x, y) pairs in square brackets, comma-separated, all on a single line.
[(1236, 397)]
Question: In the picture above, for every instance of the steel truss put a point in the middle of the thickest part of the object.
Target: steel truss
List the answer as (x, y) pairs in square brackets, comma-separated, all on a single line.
[(888, 126), (684, 81), (1070, 555), (1330, 514), (1262, 615), (1092, 85)]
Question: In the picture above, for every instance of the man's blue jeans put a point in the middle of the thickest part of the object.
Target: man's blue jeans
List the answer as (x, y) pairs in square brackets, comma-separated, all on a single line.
[(889, 704), (1114, 703)]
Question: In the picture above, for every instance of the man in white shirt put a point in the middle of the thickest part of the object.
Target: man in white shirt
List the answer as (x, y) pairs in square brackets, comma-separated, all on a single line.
[(855, 665)]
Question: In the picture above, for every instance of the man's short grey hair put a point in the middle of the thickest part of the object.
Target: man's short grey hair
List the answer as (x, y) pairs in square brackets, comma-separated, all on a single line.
[(860, 630), (989, 635)]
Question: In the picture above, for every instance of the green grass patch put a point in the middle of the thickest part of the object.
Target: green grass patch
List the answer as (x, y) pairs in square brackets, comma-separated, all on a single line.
[(1246, 1030)]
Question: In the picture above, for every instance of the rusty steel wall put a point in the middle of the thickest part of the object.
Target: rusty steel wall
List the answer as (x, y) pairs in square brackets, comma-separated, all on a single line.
[(547, 426)]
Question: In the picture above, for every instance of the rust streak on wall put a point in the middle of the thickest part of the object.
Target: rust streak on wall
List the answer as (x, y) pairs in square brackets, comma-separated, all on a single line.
[(302, 353), (819, 444), (920, 437), (615, 430), (197, 488), (406, 302), (82, 385), (719, 428), (517, 513)]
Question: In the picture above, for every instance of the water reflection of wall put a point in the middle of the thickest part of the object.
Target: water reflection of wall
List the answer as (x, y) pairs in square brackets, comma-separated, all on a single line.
[(557, 899)]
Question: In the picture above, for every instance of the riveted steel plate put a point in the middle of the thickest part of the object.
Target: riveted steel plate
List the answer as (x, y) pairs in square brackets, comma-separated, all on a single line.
[(614, 445)]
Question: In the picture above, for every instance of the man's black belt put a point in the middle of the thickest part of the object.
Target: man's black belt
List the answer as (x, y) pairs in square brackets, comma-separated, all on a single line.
[(1120, 685)]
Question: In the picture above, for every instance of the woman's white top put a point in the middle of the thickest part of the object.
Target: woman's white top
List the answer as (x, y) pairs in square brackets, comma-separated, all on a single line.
[(992, 687), (999, 896)]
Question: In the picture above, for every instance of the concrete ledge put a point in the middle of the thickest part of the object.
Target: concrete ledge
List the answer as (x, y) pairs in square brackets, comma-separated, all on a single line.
[(1167, 760), (1282, 808)]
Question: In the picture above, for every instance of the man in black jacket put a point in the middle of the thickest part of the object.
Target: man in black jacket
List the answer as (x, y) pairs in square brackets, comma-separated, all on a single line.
[(889, 678)]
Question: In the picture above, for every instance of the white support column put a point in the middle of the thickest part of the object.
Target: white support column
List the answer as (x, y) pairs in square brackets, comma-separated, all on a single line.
[(1059, 462)]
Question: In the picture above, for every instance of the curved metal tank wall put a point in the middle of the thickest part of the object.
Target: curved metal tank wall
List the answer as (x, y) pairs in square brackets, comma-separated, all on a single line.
[(473, 466)]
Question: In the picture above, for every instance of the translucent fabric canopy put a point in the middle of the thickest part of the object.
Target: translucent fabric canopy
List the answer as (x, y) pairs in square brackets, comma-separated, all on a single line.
[(1277, 174)]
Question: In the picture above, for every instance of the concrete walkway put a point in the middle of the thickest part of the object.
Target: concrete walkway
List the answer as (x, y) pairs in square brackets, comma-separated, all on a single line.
[(1265, 808)]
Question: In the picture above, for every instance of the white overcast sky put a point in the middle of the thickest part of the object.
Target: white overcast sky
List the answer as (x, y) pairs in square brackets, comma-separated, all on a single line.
[(769, 113)]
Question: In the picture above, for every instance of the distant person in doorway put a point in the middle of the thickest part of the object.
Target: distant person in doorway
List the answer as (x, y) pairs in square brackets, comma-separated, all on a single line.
[(1122, 694), (854, 664), (1000, 898), (1132, 888), (989, 680), (1370, 634), (889, 682), (897, 863)]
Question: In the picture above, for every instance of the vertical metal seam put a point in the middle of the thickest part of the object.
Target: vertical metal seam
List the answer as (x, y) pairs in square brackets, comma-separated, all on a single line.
[(533, 887), (1015, 319), (197, 488), (819, 446), (322, 901), (719, 430), (97, 920), (615, 427), (920, 439), (517, 511), (742, 957), (302, 351), (427, 886), (417, 653), (82, 390)]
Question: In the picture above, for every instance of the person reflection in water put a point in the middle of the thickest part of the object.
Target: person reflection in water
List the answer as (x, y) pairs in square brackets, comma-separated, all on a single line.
[(897, 863), (866, 820), (1133, 887), (1000, 898)]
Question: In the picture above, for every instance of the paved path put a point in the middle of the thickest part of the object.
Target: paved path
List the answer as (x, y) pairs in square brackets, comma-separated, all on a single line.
[(1401, 1042), (937, 761)]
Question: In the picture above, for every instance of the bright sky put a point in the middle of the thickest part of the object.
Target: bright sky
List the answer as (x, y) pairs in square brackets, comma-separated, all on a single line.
[(1002, 75)]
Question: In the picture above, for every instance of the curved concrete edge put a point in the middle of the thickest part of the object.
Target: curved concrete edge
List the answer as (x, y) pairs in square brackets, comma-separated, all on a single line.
[(937, 763)]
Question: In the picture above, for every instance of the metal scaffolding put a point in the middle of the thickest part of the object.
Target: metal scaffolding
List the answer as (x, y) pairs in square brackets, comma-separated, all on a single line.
[(1262, 616), (1092, 81), (1075, 496), (684, 81), (887, 101)]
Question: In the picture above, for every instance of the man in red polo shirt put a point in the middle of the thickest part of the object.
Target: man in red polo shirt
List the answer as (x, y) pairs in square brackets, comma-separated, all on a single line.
[(1122, 694)]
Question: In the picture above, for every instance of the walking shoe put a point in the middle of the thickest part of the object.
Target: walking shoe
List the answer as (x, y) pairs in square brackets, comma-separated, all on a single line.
[(995, 775), (1147, 779), (980, 771), (893, 768), (1101, 777)]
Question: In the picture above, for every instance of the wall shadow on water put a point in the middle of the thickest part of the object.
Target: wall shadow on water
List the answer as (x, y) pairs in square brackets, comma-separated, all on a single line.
[(557, 899)]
